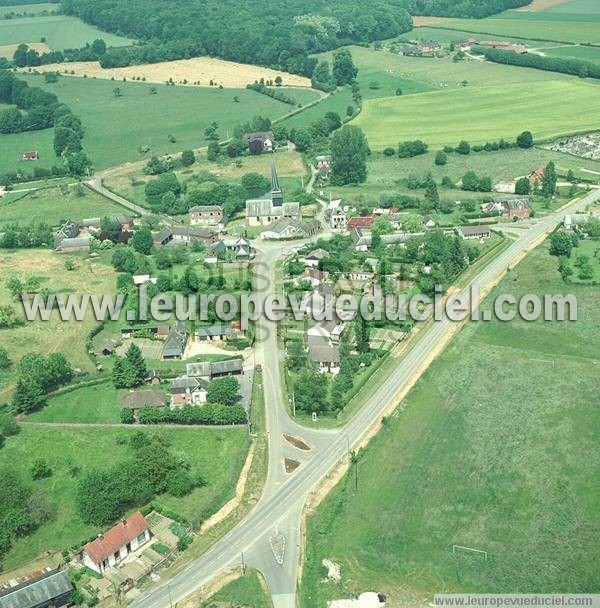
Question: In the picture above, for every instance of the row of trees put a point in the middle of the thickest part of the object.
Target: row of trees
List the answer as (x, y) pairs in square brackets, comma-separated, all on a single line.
[(28, 57), (575, 67)]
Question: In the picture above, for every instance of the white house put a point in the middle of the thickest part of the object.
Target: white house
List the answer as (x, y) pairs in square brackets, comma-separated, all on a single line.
[(188, 390), (505, 187), (114, 546)]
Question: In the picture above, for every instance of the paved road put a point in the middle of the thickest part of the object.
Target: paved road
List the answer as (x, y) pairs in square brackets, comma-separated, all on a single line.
[(96, 185), (277, 514)]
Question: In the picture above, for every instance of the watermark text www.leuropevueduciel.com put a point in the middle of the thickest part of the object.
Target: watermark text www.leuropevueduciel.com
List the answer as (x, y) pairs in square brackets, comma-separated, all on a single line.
[(251, 307)]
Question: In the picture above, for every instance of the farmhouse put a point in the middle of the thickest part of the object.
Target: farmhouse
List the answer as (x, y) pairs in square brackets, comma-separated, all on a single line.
[(30, 155), (50, 589), (577, 219), (136, 400), (214, 333), (215, 369), (505, 187), (176, 341), (237, 247), (286, 228), (188, 390), (536, 176), (206, 215), (114, 546), (315, 256), (510, 208), (324, 163), (264, 139), (185, 235), (474, 232), (360, 222), (428, 221), (263, 212), (324, 354)]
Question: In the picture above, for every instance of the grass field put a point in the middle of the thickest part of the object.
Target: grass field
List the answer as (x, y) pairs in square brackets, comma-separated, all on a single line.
[(245, 592), (54, 205), (484, 114), (218, 454), (54, 335), (556, 25), (59, 31), (98, 403), (30, 9), (200, 70), (584, 53), (117, 127), (493, 450)]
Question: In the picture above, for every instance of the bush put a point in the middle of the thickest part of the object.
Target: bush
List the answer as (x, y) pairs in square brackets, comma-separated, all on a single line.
[(441, 158), (127, 417), (389, 152), (408, 149), (463, 147), (40, 469)]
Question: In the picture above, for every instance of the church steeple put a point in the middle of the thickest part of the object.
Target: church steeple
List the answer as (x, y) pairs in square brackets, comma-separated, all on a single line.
[(276, 191)]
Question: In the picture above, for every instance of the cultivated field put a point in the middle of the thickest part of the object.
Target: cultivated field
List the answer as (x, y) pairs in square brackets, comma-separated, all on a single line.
[(58, 31), (219, 454), (492, 450), (8, 50), (54, 205), (542, 5), (553, 25), (138, 124), (200, 70), (481, 115)]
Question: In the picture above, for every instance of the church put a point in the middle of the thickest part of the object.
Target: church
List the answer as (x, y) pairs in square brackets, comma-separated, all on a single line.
[(265, 211)]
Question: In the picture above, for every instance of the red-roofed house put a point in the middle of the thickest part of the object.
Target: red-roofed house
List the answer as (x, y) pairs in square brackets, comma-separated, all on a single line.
[(537, 175), (113, 547), (359, 222), (29, 156)]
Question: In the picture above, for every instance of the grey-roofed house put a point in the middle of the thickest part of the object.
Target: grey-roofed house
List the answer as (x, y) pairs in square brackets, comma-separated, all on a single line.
[(474, 232), (215, 369), (176, 342), (188, 390), (315, 256), (136, 400), (324, 353), (80, 243), (239, 247), (50, 590), (206, 215), (214, 332), (163, 237), (510, 207)]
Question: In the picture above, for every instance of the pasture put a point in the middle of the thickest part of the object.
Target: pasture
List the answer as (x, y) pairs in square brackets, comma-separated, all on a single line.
[(59, 32), (138, 124), (54, 205), (219, 454), (492, 450), (482, 114), (200, 70), (584, 53)]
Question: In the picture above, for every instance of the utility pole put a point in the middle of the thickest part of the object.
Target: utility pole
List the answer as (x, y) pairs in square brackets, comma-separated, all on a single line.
[(170, 598), (243, 565)]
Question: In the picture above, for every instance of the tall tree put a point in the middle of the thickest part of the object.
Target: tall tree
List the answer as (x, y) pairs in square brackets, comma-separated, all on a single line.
[(362, 335), (136, 361), (349, 152), (549, 181), (344, 70)]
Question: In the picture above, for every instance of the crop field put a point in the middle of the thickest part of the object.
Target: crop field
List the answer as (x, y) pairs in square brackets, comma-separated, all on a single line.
[(53, 335), (481, 115), (58, 31), (8, 50), (584, 53), (202, 70), (556, 25), (219, 454), (117, 128), (491, 450), (54, 205)]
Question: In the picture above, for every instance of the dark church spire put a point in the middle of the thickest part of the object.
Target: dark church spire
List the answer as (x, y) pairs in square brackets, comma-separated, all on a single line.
[(276, 191)]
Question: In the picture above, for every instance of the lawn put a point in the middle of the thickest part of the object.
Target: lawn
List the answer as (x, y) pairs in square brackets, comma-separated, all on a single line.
[(59, 32), (482, 114), (98, 403), (54, 205), (218, 454), (581, 26), (89, 276), (248, 591), (493, 450), (117, 128)]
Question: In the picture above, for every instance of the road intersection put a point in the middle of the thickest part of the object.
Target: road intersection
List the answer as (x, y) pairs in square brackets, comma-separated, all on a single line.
[(277, 515)]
